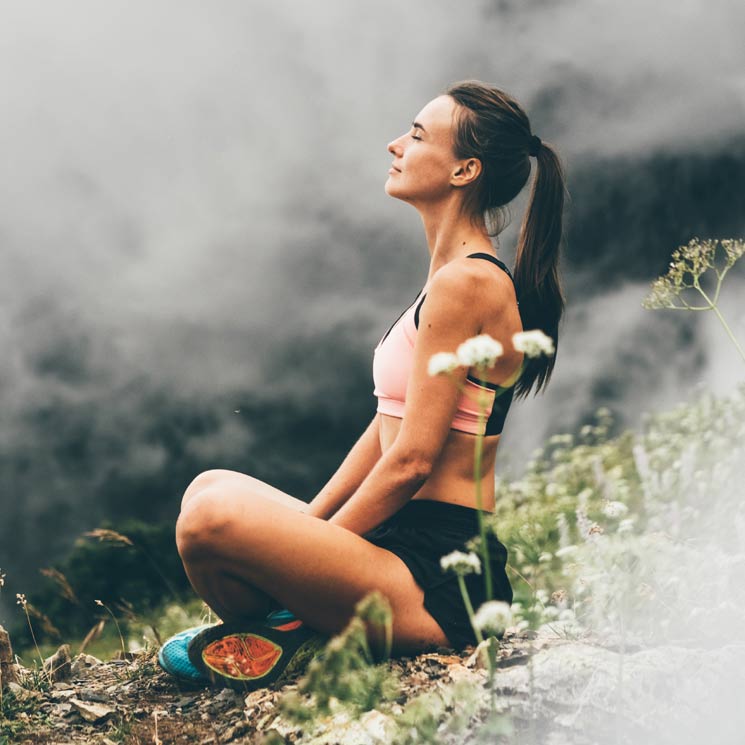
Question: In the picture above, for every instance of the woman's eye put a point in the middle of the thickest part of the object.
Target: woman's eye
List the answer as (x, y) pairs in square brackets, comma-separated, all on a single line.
[(414, 137)]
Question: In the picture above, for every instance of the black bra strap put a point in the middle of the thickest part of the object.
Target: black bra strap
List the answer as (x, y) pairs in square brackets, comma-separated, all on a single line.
[(479, 255), (493, 259)]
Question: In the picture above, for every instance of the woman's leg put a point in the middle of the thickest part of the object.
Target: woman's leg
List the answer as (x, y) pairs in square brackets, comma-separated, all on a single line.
[(241, 549), (248, 601)]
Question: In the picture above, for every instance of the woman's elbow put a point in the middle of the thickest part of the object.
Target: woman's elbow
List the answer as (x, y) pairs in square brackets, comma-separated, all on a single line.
[(415, 463)]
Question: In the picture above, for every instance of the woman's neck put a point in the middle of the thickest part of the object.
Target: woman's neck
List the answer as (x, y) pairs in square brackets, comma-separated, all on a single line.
[(451, 235)]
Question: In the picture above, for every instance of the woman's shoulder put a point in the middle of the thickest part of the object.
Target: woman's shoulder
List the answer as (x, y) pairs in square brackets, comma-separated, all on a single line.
[(481, 285)]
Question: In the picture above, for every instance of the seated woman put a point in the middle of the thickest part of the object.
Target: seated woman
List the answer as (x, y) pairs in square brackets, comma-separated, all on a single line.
[(405, 494)]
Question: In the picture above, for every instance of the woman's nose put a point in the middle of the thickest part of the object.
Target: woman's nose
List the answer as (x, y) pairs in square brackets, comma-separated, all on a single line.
[(393, 147)]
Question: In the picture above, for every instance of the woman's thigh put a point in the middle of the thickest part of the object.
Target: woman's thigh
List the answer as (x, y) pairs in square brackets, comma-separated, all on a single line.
[(244, 482), (314, 568)]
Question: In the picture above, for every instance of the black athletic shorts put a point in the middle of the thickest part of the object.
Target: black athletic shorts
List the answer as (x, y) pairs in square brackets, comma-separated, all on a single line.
[(424, 531)]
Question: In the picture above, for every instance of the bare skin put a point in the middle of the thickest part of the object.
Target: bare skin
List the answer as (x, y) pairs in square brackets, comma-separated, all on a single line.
[(248, 547)]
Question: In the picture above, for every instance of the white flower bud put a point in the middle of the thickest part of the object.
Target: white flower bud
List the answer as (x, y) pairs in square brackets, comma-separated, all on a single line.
[(493, 617), (479, 350), (442, 362), (461, 563), (533, 343)]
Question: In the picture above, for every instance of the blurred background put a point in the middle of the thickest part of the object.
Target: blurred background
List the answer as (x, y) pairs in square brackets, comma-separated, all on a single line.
[(198, 256)]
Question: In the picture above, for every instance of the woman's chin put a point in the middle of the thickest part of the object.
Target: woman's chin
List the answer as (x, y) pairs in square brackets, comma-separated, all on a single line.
[(391, 190)]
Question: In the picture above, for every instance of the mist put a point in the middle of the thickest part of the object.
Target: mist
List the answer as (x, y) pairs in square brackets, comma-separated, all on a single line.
[(198, 256)]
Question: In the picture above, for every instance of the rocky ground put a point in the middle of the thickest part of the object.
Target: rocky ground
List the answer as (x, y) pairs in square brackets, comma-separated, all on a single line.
[(134, 701), (572, 692)]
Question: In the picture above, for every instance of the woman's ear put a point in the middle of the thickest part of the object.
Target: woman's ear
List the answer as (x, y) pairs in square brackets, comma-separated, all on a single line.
[(466, 172)]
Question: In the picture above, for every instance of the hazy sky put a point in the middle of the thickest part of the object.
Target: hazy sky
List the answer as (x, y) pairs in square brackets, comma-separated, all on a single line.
[(192, 189), (215, 168)]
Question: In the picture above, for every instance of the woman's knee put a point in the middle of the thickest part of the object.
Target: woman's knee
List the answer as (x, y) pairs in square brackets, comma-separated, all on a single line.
[(200, 524), (203, 481)]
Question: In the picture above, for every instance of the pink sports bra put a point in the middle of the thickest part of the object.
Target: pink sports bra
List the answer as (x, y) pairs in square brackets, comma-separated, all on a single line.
[(392, 363)]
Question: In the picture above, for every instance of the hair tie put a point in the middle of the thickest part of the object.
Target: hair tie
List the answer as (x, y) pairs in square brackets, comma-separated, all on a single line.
[(534, 145)]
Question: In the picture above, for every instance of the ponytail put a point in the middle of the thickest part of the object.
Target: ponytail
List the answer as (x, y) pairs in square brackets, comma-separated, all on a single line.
[(537, 266), (493, 127)]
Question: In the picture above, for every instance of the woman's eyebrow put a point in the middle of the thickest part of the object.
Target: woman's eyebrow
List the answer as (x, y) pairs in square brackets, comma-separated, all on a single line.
[(418, 126)]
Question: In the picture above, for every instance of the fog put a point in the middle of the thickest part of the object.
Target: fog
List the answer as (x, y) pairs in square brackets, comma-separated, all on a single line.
[(198, 255)]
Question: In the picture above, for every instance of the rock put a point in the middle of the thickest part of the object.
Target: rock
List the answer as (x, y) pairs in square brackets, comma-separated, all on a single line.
[(92, 712), (461, 672), (64, 709), (228, 696), (8, 669), (381, 727), (479, 659), (59, 665), (89, 694), (15, 688), (83, 662), (682, 691), (61, 694)]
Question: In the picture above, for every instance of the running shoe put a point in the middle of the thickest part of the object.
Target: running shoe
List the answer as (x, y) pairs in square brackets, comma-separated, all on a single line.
[(174, 658), (252, 655)]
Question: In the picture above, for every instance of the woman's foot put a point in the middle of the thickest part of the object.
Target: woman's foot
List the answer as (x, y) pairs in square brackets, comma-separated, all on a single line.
[(251, 655), (173, 656)]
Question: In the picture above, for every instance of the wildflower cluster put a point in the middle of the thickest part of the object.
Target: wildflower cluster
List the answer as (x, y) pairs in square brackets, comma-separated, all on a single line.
[(493, 617), (688, 263), (533, 343), (461, 563), (483, 351)]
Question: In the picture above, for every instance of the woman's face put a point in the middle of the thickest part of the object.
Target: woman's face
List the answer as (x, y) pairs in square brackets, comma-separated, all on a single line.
[(423, 163)]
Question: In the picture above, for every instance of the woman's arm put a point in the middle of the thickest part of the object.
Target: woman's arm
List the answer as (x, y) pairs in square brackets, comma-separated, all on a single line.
[(350, 474), (450, 315)]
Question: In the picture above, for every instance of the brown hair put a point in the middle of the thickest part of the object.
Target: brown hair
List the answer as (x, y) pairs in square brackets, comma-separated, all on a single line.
[(491, 126)]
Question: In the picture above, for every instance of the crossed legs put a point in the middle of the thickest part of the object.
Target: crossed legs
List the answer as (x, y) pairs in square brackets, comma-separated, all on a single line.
[(249, 548)]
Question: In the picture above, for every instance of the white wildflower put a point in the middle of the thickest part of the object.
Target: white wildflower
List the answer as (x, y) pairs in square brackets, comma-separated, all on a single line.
[(584, 496), (442, 362), (461, 563), (565, 551), (545, 556), (559, 597), (2, 578), (20, 599), (626, 526), (480, 350), (533, 343), (493, 617), (615, 509), (561, 521)]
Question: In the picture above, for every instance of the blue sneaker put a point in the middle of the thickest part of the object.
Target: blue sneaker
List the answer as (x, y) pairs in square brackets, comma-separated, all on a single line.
[(173, 656)]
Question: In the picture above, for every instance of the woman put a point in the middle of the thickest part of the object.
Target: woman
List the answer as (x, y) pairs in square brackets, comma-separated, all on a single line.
[(404, 495)]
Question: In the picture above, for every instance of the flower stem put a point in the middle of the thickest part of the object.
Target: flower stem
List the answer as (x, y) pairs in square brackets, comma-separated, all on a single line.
[(724, 323), (479, 447), (33, 636), (469, 608), (492, 670), (119, 631)]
